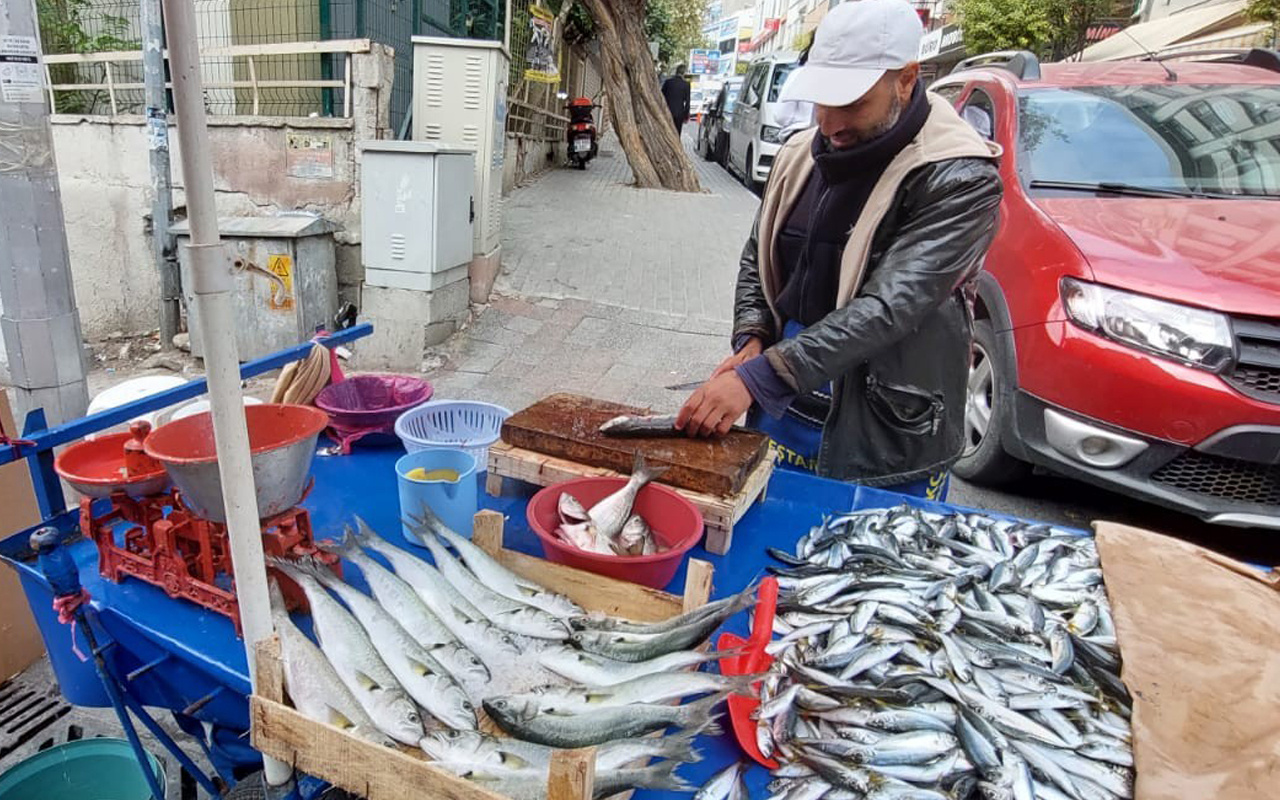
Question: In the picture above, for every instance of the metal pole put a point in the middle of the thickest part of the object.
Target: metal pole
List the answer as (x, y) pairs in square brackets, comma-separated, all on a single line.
[(162, 241), (211, 285), (40, 325)]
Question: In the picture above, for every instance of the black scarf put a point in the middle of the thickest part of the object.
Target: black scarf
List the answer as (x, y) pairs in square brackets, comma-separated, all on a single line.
[(813, 238)]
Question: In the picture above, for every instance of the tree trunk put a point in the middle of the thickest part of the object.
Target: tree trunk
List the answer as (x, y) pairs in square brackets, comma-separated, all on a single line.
[(639, 113)]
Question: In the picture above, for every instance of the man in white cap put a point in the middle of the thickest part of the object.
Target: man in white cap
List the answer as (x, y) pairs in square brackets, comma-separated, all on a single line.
[(851, 325)]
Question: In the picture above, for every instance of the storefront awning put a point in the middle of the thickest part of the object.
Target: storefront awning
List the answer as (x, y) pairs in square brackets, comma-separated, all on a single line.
[(1158, 35), (1255, 34)]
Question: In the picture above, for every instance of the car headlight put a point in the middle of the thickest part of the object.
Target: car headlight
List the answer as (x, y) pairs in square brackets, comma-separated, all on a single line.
[(1194, 336), (771, 134)]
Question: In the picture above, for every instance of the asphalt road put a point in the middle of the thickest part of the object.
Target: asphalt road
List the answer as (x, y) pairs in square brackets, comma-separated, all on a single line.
[(1064, 501)]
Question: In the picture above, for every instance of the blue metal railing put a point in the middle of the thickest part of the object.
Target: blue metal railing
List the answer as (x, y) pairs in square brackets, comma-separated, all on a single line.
[(39, 455)]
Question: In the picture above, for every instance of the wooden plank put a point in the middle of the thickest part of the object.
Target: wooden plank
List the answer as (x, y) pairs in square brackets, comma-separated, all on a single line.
[(288, 48), (315, 84), (587, 589), (573, 774), (566, 426), (718, 539), (228, 51), (486, 531), (697, 585), (268, 671), (367, 769)]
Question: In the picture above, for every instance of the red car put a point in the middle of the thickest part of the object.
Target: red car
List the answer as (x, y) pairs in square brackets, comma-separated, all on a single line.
[(1127, 325)]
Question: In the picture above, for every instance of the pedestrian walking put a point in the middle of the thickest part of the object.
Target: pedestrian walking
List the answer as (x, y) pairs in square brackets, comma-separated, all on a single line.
[(852, 329), (675, 90)]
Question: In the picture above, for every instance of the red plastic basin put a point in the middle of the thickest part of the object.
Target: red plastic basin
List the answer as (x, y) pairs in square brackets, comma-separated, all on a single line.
[(676, 523)]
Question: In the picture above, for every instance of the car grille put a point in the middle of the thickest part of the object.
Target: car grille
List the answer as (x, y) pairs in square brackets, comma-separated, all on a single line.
[(1257, 370), (1222, 478)]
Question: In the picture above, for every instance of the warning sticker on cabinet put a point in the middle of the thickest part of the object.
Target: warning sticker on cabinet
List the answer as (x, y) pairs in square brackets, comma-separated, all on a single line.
[(282, 292), (21, 79)]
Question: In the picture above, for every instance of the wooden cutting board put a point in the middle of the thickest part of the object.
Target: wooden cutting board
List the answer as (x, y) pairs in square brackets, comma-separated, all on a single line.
[(566, 426)]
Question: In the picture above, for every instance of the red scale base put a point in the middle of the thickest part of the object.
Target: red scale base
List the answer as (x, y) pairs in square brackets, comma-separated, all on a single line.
[(190, 557)]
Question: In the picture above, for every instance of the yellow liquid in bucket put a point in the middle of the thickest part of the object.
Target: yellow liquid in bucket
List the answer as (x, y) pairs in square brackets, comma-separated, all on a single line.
[(420, 474)]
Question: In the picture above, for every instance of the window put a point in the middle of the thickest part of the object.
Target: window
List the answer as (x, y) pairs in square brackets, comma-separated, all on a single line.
[(731, 98), (950, 92), (1215, 139), (780, 73), (755, 84), (980, 112)]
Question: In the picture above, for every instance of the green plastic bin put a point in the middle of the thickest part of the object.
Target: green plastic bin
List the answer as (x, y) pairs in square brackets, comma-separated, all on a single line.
[(90, 769)]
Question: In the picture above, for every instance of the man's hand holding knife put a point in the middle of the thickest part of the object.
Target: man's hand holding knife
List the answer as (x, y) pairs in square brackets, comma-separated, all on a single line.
[(716, 405)]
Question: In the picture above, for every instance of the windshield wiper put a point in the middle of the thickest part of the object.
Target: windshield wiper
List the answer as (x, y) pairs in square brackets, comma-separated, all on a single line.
[(1108, 187)]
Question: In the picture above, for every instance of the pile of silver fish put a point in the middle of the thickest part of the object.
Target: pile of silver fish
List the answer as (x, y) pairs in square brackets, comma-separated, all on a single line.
[(412, 662), (609, 527), (929, 657)]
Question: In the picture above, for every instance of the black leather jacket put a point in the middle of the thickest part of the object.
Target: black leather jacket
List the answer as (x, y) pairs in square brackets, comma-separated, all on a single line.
[(898, 353)]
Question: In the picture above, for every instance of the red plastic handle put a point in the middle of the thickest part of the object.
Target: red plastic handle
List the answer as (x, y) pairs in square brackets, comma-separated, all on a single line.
[(762, 627)]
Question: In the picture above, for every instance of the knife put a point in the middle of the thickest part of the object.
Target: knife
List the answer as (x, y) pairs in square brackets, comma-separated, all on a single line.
[(685, 387)]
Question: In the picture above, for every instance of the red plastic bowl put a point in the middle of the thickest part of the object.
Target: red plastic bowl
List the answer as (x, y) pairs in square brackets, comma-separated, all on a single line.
[(675, 522)]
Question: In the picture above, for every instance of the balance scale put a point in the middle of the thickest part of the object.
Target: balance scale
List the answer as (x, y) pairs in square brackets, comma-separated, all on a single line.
[(152, 528)]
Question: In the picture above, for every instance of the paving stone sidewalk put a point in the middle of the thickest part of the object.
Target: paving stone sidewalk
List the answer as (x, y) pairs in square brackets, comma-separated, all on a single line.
[(606, 290)]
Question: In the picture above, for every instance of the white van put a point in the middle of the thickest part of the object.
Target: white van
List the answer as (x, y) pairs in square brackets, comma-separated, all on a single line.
[(754, 137)]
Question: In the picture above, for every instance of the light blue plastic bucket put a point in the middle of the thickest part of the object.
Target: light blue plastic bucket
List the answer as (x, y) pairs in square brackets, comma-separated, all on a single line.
[(101, 769), (455, 502)]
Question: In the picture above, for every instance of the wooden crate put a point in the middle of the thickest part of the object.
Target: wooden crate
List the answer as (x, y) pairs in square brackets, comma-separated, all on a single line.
[(376, 772), (719, 514)]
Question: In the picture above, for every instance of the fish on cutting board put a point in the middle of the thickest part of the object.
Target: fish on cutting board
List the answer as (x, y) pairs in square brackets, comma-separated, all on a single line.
[(629, 425)]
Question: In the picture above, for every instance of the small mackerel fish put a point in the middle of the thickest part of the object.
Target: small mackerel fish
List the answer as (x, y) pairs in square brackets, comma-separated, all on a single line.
[(433, 641), (928, 657)]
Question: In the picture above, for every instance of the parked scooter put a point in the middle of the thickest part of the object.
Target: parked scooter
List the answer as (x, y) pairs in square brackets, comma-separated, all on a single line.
[(581, 131)]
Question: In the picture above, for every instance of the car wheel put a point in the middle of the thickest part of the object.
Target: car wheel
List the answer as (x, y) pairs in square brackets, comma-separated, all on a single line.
[(705, 148), (988, 404), (749, 175)]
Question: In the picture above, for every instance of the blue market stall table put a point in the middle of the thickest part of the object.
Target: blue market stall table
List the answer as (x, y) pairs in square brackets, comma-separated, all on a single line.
[(188, 659)]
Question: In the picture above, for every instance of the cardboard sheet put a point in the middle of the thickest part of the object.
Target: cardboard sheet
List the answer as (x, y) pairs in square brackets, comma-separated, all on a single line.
[(20, 642), (1200, 638)]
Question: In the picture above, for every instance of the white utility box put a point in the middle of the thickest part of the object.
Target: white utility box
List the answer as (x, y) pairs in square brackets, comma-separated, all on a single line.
[(416, 215), (286, 283), (460, 99)]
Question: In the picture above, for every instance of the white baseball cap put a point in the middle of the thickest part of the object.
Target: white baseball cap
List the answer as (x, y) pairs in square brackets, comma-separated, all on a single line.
[(855, 44)]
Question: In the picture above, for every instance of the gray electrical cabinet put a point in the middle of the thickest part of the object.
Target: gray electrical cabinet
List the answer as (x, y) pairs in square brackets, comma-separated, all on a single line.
[(285, 283), (416, 214), (460, 98)]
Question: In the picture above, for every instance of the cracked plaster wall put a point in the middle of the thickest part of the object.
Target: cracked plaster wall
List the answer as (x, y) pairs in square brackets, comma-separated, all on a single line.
[(104, 177)]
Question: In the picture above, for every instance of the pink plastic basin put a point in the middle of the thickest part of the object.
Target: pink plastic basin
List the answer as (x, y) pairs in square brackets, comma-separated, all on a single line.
[(372, 400), (675, 521)]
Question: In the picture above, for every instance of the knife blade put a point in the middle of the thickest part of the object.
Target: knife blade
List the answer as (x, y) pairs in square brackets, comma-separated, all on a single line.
[(685, 387)]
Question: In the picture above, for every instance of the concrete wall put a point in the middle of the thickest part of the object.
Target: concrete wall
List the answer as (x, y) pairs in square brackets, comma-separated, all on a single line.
[(527, 157), (259, 169)]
